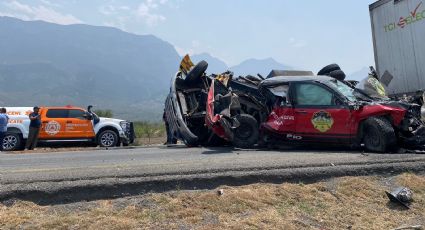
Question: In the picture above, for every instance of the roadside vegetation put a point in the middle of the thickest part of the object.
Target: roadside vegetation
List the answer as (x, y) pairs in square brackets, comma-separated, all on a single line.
[(341, 203), (147, 133), (104, 113)]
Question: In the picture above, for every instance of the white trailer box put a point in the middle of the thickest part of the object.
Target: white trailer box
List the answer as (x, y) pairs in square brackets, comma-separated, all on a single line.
[(398, 28)]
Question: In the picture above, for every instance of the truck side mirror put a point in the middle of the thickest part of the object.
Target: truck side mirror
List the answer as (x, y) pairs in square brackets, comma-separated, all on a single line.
[(88, 116)]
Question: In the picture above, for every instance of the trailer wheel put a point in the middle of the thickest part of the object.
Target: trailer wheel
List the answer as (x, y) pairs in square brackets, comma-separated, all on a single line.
[(379, 135), (108, 138), (329, 68), (246, 135), (12, 142)]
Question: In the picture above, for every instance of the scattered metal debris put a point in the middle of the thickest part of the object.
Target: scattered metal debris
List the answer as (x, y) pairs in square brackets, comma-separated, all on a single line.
[(402, 195), (220, 192)]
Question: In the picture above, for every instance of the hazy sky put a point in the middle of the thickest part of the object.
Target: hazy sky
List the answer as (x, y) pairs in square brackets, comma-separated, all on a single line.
[(306, 34)]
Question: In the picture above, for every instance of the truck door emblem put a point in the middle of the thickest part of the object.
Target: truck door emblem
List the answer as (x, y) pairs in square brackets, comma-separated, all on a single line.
[(322, 121), (52, 128)]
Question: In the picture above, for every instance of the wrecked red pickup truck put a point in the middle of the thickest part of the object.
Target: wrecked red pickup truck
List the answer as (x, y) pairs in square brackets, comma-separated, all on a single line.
[(288, 107)]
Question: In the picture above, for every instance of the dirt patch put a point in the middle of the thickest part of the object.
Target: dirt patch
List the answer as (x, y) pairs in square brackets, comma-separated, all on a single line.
[(144, 141), (342, 203)]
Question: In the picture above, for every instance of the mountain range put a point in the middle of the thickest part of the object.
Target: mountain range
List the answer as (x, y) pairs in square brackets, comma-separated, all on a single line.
[(48, 64), (250, 66)]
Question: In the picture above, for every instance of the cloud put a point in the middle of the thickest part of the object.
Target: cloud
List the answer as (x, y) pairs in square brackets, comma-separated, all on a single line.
[(41, 12), (196, 47), (196, 44), (297, 43), (182, 51), (116, 15), (118, 22), (49, 3), (113, 10), (146, 11)]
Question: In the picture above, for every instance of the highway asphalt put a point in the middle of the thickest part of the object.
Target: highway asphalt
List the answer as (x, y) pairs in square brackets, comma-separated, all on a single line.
[(24, 174)]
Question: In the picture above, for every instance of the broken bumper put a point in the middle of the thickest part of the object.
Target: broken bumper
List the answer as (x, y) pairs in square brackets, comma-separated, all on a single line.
[(127, 135)]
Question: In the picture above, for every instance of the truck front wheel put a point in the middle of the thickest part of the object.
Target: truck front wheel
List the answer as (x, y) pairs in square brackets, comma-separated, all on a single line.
[(379, 135), (107, 138)]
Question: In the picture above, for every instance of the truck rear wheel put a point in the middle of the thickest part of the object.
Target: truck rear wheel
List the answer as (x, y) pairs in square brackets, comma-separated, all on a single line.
[(246, 135), (12, 142), (107, 138), (379, 135)]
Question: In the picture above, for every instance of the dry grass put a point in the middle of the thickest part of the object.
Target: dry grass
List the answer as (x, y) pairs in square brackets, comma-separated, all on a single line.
[(343, 203)]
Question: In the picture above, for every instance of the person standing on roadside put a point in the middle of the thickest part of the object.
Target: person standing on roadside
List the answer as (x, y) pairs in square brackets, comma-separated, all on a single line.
[(4, 119), (34, 129)]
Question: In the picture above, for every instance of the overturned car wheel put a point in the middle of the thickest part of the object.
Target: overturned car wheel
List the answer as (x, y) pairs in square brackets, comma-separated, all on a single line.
[(197, 71), (329, 68), (379, 135), (337, 74), (246, 135)]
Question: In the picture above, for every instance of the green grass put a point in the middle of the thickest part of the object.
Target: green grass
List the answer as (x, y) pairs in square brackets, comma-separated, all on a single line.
[(142, 129), (145, 129)]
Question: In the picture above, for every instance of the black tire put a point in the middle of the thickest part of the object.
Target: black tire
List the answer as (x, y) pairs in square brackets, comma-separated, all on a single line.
[(197, 71), (191, 144), (379, 135), (337, 74), (12, 142), (107, 138), (246, 135), (329, 68), (253, 78)]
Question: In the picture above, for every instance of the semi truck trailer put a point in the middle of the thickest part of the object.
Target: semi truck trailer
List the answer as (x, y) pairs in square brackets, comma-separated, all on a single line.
[(398, 28)]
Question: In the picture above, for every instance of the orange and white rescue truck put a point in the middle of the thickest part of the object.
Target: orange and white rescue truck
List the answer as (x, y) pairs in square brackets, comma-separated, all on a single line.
[(67, 124)]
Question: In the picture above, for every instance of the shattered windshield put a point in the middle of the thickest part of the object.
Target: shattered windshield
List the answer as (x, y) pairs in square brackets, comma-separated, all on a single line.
[(280, 91), (344, 89)]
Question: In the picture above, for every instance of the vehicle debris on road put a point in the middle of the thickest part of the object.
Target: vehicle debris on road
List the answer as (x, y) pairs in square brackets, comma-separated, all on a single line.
[(220, 192), (402, 195), (290, 107)]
